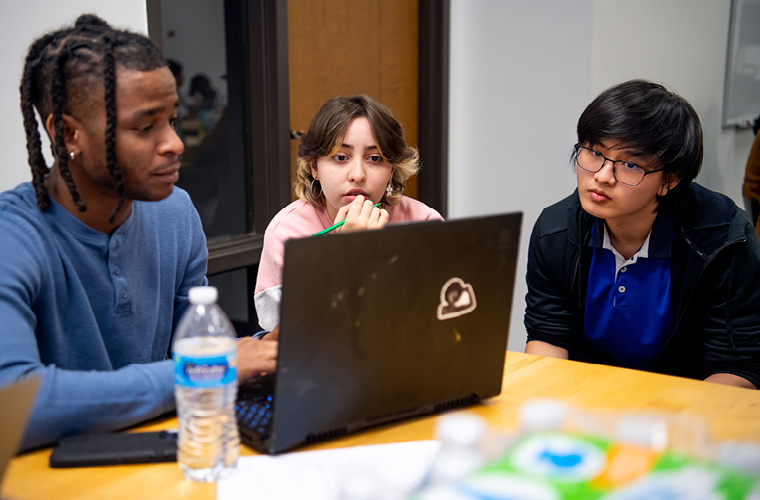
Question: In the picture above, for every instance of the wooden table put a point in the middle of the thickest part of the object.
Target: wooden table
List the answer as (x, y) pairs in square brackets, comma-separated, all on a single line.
[(731, 414)]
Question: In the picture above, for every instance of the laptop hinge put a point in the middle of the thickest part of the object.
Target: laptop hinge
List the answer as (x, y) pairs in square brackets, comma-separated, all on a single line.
[(327, 435), (457, 403), (421, 410)]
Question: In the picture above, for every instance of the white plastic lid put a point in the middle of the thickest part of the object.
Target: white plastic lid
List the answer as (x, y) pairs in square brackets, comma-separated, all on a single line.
[(646, 430), (205, 295), (463, 429), (741, 455), (543, 415)]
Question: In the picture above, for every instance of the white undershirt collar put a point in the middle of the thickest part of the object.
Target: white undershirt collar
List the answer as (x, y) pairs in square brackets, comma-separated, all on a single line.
[(620, 261)]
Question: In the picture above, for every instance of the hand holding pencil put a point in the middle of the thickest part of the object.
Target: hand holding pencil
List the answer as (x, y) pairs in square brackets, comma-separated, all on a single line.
[(359, 215)]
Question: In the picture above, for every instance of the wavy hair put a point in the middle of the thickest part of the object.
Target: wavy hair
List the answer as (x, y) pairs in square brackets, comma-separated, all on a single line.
[(325, 135)]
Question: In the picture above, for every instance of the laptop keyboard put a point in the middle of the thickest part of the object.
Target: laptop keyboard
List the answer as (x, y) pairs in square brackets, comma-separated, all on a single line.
[(253, 408), (255, 414)]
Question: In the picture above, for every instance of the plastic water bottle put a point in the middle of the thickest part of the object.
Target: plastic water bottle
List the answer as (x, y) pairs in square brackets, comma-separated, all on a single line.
[(460, 451), (205, 382)]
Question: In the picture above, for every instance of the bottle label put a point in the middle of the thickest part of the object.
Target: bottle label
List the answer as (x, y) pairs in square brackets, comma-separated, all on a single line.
[(204, 372)]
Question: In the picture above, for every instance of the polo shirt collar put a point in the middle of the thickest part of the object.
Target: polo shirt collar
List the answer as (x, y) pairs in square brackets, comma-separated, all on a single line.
[(657, 245)]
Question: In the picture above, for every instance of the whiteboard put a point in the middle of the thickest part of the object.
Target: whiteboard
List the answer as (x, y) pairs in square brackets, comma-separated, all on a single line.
[(741, 95)]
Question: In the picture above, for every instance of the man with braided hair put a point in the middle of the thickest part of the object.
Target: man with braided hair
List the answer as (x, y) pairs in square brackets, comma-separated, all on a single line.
[(99, 251)]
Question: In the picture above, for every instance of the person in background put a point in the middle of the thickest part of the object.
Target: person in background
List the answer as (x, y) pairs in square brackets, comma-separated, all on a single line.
[(641, 267), (179, 76), (751, 184), (205, 103), (352, 157), (99, 250)]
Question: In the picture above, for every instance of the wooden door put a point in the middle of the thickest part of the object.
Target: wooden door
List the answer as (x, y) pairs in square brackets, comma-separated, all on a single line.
[(346, 47)]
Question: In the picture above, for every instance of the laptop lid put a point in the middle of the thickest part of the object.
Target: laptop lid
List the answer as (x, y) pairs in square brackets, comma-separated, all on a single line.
[(16, 402), (380, 325)]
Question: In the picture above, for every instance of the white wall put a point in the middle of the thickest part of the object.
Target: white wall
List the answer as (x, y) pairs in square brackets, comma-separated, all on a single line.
[(520, 77), (522, 72), (24, 22)]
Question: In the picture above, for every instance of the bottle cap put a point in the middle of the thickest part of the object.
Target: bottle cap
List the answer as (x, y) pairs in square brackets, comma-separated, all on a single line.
[(543, 415), (205, 295), (741, 455), (645, 430), (462, 429)]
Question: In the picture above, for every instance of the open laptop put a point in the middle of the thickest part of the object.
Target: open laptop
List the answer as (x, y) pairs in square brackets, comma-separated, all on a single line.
[(16, 402), (383, 325)]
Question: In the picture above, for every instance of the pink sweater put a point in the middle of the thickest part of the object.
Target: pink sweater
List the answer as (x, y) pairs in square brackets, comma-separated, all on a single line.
[(298, 220)]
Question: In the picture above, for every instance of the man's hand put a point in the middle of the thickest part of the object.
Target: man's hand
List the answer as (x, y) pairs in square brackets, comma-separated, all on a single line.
[(361, 215), (256, 357)]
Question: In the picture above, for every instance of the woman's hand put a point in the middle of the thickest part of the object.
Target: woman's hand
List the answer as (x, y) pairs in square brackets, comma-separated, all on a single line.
[(361, 215), (257, 356)]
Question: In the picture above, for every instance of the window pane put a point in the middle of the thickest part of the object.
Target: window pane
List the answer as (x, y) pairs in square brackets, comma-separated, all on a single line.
[(235, 297), (212, 166)]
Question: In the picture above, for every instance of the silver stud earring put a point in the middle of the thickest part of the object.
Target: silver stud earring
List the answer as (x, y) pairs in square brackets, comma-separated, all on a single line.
[(72, 155), (389, 190)]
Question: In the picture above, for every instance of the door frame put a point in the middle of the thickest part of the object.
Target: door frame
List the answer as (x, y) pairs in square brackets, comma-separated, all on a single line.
[(263, 27), (433, 102)]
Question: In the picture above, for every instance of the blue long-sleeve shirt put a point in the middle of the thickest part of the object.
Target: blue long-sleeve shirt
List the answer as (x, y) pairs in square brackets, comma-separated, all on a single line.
[(93, 314)]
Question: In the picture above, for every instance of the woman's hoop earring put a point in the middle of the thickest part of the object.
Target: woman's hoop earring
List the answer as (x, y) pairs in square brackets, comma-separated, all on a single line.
[(389, 190), (314, 192)]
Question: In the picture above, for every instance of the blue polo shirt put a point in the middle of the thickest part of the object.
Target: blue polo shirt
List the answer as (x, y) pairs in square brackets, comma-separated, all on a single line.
[(628, 313)]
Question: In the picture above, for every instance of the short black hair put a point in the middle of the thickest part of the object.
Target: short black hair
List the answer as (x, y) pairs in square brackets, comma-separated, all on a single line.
[(62, 71), (648, 118)]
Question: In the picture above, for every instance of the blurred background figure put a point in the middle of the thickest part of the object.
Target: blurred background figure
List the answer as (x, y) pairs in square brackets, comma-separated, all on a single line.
[(176, 69), (205, 103), (183, 109)]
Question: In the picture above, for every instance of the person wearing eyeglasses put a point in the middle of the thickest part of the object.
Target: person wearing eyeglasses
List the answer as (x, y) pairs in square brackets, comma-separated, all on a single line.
[(641, 267)]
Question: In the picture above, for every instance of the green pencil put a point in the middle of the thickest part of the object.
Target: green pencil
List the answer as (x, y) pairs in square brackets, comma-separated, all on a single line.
[(337, 224)]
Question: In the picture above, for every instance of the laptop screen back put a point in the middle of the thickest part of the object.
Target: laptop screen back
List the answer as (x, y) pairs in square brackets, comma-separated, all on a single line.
[(378, 325)]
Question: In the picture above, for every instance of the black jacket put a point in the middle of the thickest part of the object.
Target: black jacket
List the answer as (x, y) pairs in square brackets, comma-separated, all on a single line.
[(715, 285)]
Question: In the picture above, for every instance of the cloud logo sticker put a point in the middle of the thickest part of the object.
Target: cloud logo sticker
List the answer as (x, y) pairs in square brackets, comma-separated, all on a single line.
[(457, 298)]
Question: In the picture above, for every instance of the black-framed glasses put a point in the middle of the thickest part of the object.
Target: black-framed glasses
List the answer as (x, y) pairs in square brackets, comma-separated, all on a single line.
[(625, 172)]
